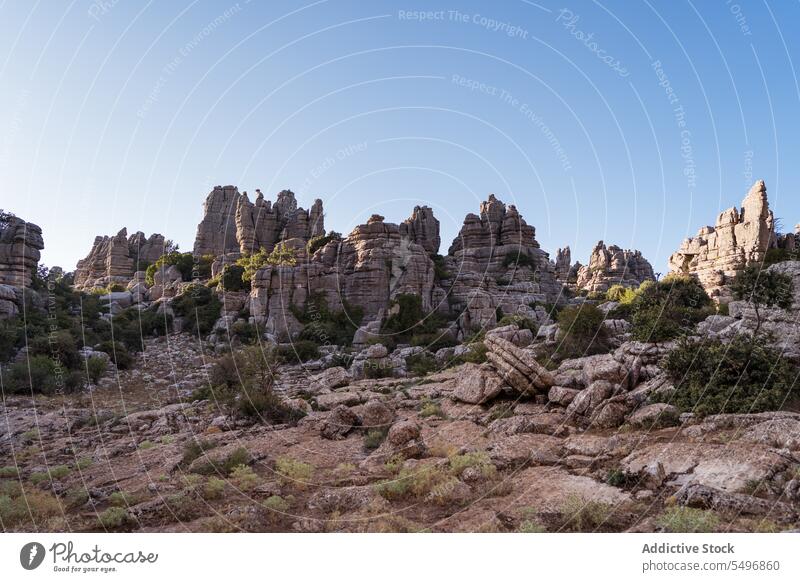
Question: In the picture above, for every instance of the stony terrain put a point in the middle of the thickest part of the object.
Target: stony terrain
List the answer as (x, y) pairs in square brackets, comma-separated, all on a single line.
[(279, 378), (512, 464)]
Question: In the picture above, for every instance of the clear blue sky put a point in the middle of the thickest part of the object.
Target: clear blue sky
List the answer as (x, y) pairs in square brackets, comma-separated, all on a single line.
[(126, 113)]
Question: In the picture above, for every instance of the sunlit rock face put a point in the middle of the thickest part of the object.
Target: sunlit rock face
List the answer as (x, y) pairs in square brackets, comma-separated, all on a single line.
[(739, 237)]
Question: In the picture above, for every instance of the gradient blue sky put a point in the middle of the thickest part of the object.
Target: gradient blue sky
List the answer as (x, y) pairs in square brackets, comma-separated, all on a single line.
[(126, 113)]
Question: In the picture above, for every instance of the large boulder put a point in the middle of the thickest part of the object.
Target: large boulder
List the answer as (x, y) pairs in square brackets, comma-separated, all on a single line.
[(339, 423), (477, 384), (518, 367)]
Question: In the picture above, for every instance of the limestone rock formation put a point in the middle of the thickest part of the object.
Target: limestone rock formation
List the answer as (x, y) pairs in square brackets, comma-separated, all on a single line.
[(422, 228), (496, 262), (115, 259), (232, 225), (20, 246), (376, 262), (563, 264), (739, 237), (613, 266)]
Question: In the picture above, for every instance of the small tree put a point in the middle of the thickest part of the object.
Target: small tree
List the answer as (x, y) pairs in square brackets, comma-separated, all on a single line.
[(763, 288)]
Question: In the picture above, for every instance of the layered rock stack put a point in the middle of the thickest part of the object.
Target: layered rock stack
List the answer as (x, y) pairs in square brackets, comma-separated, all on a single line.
[(613, 266), (422, 227), (739, 237), (496, 262), (376, 262), (115, 259), (233, 226), (20, 246)]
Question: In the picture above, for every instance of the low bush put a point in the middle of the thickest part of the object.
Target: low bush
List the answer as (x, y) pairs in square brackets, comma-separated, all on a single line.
[(200, 308), (118, 353), (184, 262), (231, 279), (582, 515), (421, 364), (712, 377), (326, 326), (581, 332), (214, 488), (520, 321), (317, 242), (244, 478), (96, 367), (688, 520), (298, 352), (519, 260), (374, 438), (37, 375), (114, 518), (293, 472)]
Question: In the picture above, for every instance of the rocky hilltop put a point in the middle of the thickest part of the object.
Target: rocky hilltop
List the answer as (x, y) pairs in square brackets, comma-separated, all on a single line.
[(281, 378), (20, 246), (739, 237), (232, 225), (20, 249), (113, 260), (613, 266)]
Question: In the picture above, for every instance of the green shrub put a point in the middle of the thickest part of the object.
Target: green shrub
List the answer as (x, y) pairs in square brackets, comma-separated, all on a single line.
[(520, 321), (763, 289), (114, 518), (194, 449), (581, 331), (96, 367), (184, 262), (232, 279), (433, 341), (199, 306), (712, 377), (293, 472), (317, 242), (421, 364), (325, 326), (32, 507), (132, 326), (688, 520), (276, 503), (245, 332), (120, 499), (59, 345), (582, 515), (9, 472), (374, 438), (473, 460), (117, 352), (519, 260), (774, 256), (408, 318), (214, 488), (298, 352), (244, 478), (37, 375), (668, 309), (430, 408), (59, 471), (439, 267)]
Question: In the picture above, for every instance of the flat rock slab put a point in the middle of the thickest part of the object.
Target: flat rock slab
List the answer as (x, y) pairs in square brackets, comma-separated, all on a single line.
[(459, 434), (547, 489), (727, 467), (525, 449)]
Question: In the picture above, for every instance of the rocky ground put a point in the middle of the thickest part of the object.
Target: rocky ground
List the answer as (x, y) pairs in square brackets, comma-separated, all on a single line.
[(399, 454)]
